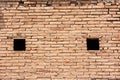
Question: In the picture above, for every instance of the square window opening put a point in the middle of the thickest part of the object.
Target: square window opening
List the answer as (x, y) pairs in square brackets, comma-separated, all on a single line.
[(93, 44), (19, 45)]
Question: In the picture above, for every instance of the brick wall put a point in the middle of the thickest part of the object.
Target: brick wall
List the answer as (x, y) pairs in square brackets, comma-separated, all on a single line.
[(56, 42)]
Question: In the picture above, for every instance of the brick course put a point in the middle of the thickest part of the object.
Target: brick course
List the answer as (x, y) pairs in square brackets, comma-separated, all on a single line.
[(56, 42)]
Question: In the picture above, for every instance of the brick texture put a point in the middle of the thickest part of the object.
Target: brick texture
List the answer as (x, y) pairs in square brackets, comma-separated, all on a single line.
[(56, 41)]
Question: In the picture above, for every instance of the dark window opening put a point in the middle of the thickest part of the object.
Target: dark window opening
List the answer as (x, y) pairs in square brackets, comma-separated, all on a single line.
[(93, 44), (19, 45)]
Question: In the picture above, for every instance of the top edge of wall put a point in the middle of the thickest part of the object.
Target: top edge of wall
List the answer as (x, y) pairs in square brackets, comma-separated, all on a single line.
[(58, 2)]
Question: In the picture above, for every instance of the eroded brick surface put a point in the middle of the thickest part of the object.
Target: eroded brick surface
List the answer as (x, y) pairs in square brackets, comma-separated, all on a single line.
[(56, 41)]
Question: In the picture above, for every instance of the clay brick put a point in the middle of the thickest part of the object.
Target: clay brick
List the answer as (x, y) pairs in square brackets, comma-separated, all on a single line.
[(56, 40)]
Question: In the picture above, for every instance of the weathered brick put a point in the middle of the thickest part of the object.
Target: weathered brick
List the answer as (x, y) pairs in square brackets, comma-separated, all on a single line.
[(56, 47)]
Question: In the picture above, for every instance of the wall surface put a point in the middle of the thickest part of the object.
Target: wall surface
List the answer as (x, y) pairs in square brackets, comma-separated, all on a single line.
[(56, 42)]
